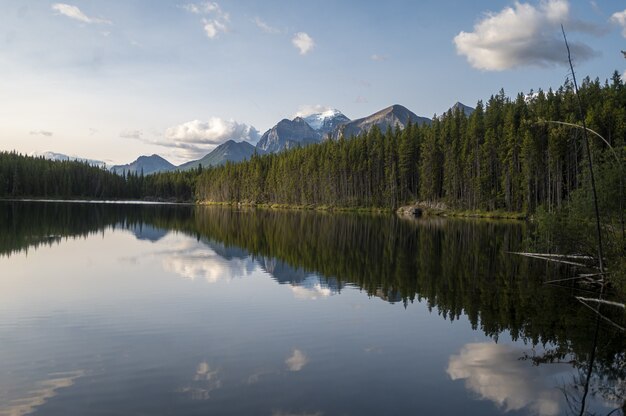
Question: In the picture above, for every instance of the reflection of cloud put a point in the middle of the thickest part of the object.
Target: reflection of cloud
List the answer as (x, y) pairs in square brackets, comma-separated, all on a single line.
[(204, 373), (204, 382), (39, 396), (193, 260), (496, 373), (297, 360), (256, 377), (311, 293)]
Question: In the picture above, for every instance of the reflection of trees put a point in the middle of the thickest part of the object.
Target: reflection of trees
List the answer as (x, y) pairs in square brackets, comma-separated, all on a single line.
[(24, 225), (459, 268), (602, 380)]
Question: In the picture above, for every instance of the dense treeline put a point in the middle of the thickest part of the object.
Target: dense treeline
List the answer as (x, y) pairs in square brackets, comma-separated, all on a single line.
[(24, 176), (503, 156)]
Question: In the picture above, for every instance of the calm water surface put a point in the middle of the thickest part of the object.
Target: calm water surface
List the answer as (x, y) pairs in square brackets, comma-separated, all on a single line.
[(122, 309)]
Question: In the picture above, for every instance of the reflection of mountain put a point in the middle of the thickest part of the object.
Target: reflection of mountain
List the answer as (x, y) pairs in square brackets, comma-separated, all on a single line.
[(147, 232), (458, 268), (197, 260), (283, 273), (391, 296)]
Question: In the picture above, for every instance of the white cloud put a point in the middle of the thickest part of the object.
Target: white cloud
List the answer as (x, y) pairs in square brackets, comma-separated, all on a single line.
[(523, 35), (131, 134), (196, 138), (619, 18), (213, 27), (202, 8), (308, 109), (41, 133), (213, 131), (217, 20), (265, 27), (75, 13), (360, 100), (495, 372), (297, 360), (378, 58), (303, 42)]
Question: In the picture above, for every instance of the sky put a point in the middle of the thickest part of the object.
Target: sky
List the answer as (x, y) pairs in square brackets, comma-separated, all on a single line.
[(112, 80)]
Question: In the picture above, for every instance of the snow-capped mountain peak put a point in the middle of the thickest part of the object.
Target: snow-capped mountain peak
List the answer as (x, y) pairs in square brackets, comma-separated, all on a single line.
[(316, 120), (325, 121)]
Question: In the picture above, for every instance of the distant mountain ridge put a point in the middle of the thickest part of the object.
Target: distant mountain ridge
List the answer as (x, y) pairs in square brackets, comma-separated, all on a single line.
[(145, 164), (60, 156), (326, 121), (467, 110), (288, 134), (229, 151), (395, 115)]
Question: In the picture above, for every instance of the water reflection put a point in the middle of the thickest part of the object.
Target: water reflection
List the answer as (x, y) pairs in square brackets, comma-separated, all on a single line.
[(192, 260), (457, 270), (40, 394), (297, 360), (204, 382), (495, 372)]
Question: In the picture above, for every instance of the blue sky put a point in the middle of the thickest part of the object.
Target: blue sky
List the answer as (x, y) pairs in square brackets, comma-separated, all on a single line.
[(112, 80)]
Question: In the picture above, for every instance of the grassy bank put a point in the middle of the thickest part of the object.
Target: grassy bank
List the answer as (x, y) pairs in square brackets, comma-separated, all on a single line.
[(327, 208), (426, 211)]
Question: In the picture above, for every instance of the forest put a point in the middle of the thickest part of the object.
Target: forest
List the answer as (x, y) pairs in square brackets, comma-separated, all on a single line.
[(508, 155), (504, 156), (35, 177)]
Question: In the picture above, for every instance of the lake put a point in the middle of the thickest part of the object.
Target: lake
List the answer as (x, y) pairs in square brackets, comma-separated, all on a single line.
[(166, 309)]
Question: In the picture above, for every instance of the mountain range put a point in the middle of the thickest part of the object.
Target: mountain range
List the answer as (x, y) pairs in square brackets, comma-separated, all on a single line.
[(229, 151), (394, 116), (61, 156), (145, 165), (288, 134)]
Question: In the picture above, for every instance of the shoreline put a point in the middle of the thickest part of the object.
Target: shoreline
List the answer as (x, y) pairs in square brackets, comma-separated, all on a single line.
[(404, 211), (98, 201)]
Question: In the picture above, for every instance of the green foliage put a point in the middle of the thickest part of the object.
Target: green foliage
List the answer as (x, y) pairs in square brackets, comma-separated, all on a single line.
[(503, 157), (36, 177)]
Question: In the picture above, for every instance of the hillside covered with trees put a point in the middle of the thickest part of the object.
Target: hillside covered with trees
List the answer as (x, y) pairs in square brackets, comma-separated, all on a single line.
[(36, 177), (504, 156)]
